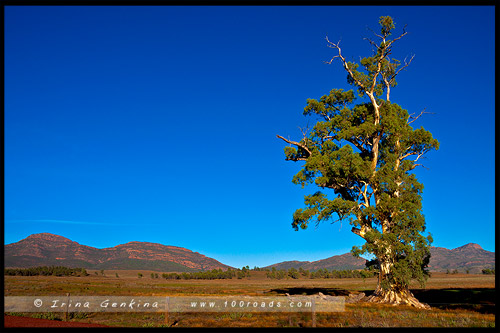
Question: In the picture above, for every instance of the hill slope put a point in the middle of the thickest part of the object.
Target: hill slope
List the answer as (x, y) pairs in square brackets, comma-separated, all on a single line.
[(339, 262), (468, 257), (46, 249)]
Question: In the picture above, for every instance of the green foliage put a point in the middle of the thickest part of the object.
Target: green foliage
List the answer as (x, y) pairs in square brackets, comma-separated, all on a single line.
[(277, 274), (46, 315), (78, 315), (303, 272), (46, 271), (488, 271), (364, 152), (387, 24), (208, 275), (321, 273), (245, 271), (293, 273)]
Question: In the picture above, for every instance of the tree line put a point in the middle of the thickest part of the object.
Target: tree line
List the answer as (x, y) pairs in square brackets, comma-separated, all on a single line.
[(321, 273), (214, 274), (46, 271)]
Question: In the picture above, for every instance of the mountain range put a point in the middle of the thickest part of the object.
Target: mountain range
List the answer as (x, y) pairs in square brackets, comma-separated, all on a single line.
[(469, 257), (46, 249)]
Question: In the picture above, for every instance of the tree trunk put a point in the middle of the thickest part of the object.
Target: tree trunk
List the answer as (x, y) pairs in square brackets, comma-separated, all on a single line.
[(393, 294)]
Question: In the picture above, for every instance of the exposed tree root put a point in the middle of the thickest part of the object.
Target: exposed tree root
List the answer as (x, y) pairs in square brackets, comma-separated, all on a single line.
[(396, 298)]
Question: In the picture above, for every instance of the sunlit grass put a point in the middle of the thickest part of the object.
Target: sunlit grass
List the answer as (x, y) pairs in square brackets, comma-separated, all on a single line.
[(355, 315)]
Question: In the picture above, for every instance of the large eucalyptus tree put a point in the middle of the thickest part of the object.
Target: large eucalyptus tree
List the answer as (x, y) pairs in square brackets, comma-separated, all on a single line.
[(364, 152)]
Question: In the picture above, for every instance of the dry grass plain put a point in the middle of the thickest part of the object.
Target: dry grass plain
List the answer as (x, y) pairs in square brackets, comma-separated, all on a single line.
[(457, 300)]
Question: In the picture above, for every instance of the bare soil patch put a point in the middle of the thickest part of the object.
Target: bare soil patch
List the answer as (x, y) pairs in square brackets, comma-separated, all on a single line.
[(16, 321)]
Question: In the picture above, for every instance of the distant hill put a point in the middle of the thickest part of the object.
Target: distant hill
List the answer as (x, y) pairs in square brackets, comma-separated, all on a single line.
[(46, 249), (339, 262), (468, 257)]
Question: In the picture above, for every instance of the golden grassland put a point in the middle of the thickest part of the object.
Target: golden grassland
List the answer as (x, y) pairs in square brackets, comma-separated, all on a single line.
[(457, 300)]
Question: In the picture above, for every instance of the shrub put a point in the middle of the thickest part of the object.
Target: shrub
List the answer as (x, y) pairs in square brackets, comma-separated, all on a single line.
[(293, 273), (46, 271)]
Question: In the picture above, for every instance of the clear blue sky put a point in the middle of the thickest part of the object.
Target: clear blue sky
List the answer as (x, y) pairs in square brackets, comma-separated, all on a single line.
[(159, 124)]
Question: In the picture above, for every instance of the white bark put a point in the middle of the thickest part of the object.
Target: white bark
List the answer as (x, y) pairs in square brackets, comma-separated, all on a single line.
[(392, 295)]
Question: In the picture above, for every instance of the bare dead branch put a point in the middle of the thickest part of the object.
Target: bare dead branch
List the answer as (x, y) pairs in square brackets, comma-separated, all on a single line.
[(416, 165), (331, 60), (372, 43), (344, 62), (381, 37), (401, 36), (304, 132), (415, 118), (295, 144), (393, 76)]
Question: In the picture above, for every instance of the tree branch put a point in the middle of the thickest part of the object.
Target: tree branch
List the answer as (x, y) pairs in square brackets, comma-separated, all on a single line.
[(393, 76), (366, 203), (406, 155), (344, 62), (361, 232), (416, 165), (367, 199), (415, 118), (295, 143), (358, 144), (398, 38), (373, 44), (381, 37)]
